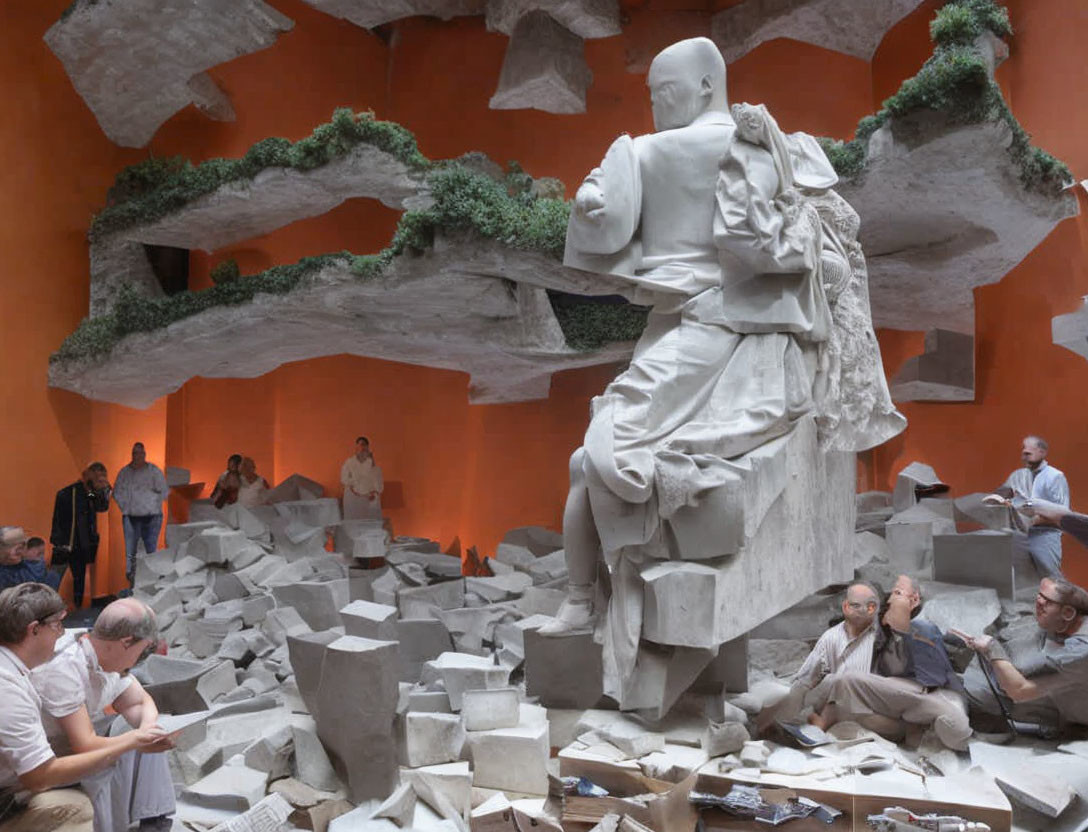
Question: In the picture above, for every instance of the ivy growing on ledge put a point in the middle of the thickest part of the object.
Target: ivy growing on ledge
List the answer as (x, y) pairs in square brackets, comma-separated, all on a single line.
[(154, 188), (955, 81), (506, 209)]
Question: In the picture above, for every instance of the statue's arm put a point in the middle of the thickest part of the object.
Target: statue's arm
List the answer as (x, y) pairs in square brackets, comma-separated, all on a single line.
[(766, 231), (605, 213)]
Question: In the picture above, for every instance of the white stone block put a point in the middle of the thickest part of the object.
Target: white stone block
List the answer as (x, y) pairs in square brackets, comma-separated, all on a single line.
[(446, 788), (460, 672), (514, 759), (433, 738), (484, 710), (369, 620), (322, 512)]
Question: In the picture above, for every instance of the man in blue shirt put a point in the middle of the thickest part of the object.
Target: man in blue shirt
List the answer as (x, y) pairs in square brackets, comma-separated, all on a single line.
[(1038, 480), (31, 566)]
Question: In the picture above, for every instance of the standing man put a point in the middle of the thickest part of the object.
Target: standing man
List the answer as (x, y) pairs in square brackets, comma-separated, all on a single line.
[(78, 684), (140, 490), (75, 524), (362, 481), (31, 617), (1038, 480)]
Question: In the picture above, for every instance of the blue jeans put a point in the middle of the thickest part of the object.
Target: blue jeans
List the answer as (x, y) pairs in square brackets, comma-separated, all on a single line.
[(143, 527)]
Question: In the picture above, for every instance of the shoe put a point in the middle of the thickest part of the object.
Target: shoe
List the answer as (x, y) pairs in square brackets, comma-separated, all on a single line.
[(574, 616)]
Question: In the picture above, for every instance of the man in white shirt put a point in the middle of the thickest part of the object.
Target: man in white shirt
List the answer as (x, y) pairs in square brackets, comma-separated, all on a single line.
[(848, 646), (1039, 480), (362, 481), (31, 618), (76, 685), (139, 492)]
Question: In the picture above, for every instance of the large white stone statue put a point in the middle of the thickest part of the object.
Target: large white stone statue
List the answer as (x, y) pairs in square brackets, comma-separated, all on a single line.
[(758, 360)]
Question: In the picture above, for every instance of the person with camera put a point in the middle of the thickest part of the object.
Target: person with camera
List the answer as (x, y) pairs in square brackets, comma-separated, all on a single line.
[(75, 524)]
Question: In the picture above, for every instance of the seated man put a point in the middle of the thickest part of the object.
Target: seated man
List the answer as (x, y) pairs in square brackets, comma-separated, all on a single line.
[(84, 677), (846, 646), (913, 680), (30, 624), (31, 568), (1047, 683)]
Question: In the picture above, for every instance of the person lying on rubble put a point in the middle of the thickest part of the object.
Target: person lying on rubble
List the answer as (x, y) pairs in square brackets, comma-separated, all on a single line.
[(1044, 679), (847, 646), (912, 683)]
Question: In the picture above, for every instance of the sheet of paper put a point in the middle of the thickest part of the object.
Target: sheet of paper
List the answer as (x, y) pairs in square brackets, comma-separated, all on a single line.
[(269, 815)]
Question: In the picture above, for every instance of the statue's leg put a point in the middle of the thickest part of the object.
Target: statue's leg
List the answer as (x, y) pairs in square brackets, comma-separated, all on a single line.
[(582, 547)]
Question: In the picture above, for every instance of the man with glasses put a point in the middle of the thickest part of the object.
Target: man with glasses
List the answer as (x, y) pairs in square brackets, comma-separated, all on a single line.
[(31, 617), (848, 646), (77, 685), (1045, 682)]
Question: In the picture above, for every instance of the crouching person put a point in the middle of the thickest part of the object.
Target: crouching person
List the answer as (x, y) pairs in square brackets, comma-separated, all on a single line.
[(31, 617), (913, 683), (77, 685)]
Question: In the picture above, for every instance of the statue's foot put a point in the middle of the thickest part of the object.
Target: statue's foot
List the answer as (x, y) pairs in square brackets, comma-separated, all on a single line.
[(574, 616)]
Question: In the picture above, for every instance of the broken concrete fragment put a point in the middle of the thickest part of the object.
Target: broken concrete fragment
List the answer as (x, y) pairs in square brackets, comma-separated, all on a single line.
[(460, 672), (361, 538), (544, 68), (983, 559), (356, 704), (513, 759), (724, 738), (293, 488), (549, 567), (307, 657), (563, 672), (519, 557), (537, 539), (216, 545), (484, 710), (420, 641), (368, 620), (499, 588), (312, 764), (915, 481), (433, 738), (399, 807), (423, 601), (322, 512), (969, 610), (234, 787), (446, 788), (319, 603)]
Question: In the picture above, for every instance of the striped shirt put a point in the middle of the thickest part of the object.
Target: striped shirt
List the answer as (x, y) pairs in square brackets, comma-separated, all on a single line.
[(835, 652)]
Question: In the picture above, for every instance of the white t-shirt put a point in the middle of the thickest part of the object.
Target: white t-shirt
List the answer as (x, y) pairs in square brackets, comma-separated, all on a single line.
[(73, 677), (23, 743)]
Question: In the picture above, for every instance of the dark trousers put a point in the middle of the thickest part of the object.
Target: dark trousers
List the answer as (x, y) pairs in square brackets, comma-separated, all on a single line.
[(77, 562)]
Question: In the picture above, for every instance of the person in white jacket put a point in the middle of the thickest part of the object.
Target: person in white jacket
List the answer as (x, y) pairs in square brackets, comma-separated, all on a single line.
[(139, 491)]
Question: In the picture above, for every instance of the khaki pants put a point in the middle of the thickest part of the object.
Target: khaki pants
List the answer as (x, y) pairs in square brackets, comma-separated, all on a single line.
[(57, 810), (860, 694)]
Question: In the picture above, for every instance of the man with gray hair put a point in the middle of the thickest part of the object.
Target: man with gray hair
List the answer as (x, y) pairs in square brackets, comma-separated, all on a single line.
[(85, 676), (1038, 480), (31, 617)]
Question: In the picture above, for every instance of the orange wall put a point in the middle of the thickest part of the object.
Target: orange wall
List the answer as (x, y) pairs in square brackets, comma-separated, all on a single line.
[(468, 472)]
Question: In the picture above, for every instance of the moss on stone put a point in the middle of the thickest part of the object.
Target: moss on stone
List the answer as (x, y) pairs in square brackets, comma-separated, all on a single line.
[(955, 81), (465, 200), (154, 188), (590, 323), (225, 271)]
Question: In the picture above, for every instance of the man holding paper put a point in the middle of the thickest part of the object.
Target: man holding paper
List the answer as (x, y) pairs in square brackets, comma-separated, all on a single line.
[(82, 679)]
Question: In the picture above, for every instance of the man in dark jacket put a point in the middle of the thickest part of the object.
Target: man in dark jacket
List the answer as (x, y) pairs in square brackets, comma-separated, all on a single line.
[(913, 680), (75, 523)]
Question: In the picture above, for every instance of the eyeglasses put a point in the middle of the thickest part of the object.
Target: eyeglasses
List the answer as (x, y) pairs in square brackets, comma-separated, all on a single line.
[(149, 648), (55, 621), (1039, 597)]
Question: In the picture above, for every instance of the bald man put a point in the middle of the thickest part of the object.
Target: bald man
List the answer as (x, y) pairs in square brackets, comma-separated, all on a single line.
[(85, 676)]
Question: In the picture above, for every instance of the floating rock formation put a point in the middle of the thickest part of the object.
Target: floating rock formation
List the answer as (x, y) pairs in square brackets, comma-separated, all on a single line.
[(945, 372), (840, 25), (137, 63)]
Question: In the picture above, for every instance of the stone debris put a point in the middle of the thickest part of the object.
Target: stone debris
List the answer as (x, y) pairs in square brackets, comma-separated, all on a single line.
[(544, 68), (398, 697)]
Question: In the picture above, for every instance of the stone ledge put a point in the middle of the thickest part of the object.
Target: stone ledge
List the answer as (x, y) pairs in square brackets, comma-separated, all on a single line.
[(137, 63), (934, 228), (845, 26), (468, 304)]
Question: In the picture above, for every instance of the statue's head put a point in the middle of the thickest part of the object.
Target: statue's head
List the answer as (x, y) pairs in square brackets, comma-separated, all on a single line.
[(685, 80)]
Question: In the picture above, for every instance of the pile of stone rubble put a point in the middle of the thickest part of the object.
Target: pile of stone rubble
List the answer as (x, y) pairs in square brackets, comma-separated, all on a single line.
[(340, 696)]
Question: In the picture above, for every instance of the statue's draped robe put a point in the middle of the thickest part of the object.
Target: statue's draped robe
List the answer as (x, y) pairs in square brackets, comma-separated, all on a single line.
[(729, 256)]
